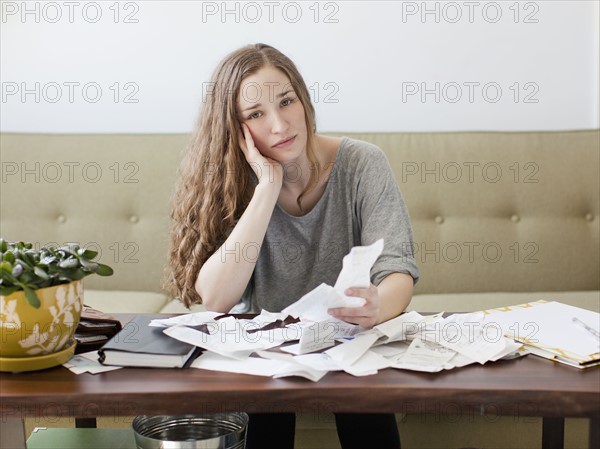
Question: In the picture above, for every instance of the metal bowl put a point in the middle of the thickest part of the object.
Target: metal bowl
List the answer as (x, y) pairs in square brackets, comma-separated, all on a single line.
[(209, 431)]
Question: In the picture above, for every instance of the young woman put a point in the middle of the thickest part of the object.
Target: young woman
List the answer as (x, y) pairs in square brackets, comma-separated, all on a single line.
[(265, 209)]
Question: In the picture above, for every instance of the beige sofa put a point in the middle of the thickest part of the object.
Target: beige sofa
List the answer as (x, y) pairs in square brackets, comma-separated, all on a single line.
[(498, 218)]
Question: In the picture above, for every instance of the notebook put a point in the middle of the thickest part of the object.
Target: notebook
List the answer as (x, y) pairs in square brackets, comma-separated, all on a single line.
[(138, 344)]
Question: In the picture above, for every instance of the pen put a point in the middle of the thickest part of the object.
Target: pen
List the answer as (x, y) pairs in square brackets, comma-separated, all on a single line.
[(591, 330)]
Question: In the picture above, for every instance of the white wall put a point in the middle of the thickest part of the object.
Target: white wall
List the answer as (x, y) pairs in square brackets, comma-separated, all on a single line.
[(364, 61)]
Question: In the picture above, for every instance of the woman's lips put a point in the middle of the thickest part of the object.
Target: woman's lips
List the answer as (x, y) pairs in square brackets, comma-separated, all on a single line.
[(285, 143)]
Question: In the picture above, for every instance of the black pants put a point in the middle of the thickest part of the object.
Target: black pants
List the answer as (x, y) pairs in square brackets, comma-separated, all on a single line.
[(355, 431)]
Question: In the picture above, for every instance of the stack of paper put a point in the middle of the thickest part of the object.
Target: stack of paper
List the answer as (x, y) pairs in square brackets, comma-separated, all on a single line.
[(552, 330)]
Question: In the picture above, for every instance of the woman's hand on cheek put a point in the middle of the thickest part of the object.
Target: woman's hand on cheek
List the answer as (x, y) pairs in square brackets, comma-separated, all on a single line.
[(367, 315), (266, 169)]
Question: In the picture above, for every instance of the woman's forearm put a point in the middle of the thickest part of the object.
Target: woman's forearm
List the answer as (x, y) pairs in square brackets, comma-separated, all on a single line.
[(395, 293), (224, 276)]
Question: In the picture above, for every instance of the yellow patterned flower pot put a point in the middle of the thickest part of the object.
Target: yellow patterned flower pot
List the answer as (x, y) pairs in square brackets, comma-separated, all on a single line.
[(33, 338)]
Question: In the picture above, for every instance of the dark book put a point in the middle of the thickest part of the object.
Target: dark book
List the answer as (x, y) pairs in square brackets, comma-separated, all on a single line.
[(95, 328), (138, 344)]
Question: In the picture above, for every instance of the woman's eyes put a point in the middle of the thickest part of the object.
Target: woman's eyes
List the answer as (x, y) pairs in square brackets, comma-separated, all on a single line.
[(285, 102)]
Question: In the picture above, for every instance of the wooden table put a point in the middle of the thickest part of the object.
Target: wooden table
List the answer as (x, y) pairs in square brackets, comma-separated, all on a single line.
[(529, 386)]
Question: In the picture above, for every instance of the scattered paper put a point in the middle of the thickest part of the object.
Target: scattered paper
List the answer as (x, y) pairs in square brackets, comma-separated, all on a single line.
[(291, 367), (324, 334), (350, 351), (465, 334), (368, 364), (322, 343), (87, 362), (189, 319), (229, 338), (251, 365), (391, 351), (400, 327), (425, 356), (312, 306), (317, 336)]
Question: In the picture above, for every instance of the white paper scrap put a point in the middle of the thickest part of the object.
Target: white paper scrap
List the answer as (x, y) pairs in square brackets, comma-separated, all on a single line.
[(189, 319), (392, 350), (511, 349), (425, 356), (228, 340), (350, 351), (251, 365), (458, 361), (87, 362), (368, 364), (266, 317), (356, 272), (465, 334), (291, 349), (312, 305), (398, 328), (318, 336), (295, 369), (319, 361)]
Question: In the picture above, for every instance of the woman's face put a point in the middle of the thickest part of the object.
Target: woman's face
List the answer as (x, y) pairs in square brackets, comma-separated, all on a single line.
[(270, 108)]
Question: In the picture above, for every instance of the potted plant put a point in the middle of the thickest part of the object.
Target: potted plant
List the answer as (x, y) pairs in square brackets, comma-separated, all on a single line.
[(41, 297)]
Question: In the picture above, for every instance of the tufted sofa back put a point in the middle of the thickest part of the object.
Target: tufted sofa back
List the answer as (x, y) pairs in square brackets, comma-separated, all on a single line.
[(490, 211)]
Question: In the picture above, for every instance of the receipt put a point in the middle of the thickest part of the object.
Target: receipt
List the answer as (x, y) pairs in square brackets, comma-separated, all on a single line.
[(356, 272)]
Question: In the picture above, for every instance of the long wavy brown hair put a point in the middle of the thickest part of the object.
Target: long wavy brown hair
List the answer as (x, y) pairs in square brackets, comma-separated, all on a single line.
[(215, 182)]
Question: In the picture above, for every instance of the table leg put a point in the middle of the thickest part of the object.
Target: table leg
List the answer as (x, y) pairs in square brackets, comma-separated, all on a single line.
[(12, 433), (594, 433), (553, 433), (85, 423)]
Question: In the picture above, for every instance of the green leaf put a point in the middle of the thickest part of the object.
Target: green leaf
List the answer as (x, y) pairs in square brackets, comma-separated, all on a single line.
[(47, 260), (40, 273), (88, 254), (27, 277), (8, 276), (90, 266), (73, 275), (71, 262), (104, 270), (9, 257), (6, 266), (31, 296), (70, 250), (5, 291), (24, 264)]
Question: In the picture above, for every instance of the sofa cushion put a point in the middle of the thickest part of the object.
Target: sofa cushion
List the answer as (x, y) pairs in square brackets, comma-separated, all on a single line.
[(471, 302), (119, 301)]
